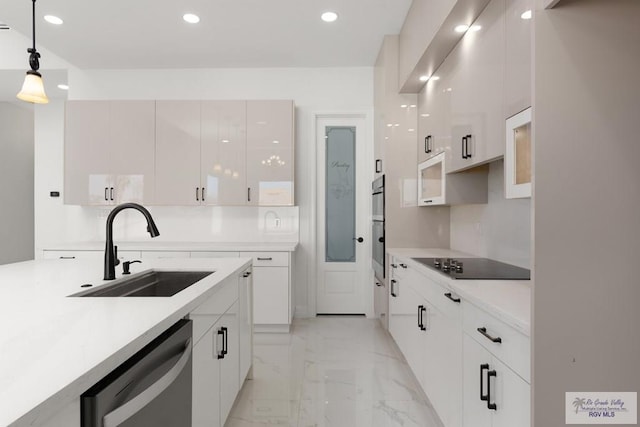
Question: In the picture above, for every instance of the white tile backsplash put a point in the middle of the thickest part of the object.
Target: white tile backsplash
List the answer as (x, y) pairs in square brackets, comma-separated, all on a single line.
[(500, 229)]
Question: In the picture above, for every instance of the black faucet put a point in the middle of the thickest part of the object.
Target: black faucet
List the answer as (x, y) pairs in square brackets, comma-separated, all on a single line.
[(110, 255)]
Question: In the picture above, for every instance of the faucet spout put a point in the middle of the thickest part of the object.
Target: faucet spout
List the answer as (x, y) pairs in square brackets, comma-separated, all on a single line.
[(110, 260)]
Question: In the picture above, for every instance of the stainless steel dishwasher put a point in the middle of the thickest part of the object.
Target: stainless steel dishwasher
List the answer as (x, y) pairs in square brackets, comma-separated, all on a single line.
[(150, 389)]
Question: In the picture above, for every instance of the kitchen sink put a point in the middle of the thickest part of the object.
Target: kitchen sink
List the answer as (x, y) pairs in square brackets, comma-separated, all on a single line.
[(148, 284)]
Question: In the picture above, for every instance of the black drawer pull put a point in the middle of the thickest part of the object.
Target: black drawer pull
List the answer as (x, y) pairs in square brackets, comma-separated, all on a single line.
[(247, 274), (392, 288), (222, 352), (483, 331), (394, 265), (484, 397), (67, 257), (265, 259), (403, 265), (490, 405), (448, 295), (421, 309)]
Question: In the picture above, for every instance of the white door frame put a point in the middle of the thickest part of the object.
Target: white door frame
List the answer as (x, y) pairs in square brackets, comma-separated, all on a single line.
[(312, 273)]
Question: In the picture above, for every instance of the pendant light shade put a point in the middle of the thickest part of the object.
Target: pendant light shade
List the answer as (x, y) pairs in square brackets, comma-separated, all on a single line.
[(33, 88)]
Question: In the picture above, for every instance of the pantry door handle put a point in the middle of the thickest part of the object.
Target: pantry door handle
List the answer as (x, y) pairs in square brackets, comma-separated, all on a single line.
[(448, 295), (483, 331), (484, 397), (490, 374)]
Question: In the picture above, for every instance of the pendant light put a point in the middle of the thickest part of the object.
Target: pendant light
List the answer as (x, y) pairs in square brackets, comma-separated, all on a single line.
[(33, 88)]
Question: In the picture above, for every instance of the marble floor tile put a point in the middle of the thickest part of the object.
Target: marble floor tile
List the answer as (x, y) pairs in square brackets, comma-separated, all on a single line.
[(336, 371)]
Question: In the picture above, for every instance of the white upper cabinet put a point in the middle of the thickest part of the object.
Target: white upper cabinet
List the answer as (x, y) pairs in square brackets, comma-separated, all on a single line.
[(109, 152), (270, 153), (517, 82), (178, 153), (477, 82), (223, 152)]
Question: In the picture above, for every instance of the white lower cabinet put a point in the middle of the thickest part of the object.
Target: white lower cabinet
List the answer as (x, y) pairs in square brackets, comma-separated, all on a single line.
[(494, 395), (438, 334), (222, 354)]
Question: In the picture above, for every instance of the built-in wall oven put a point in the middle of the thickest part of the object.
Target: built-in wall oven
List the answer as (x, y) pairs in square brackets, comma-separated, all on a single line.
[(377, 228)]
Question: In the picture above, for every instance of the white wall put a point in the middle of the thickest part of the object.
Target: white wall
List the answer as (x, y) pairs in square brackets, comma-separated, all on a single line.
[(318, 90), (500, 229), (16, 183)]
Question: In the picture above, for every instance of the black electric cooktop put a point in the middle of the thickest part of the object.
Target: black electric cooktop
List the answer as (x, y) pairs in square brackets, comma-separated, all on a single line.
[(475, 268)]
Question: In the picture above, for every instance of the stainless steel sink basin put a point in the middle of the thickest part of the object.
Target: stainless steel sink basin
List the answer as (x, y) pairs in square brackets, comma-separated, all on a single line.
[(150, 284)]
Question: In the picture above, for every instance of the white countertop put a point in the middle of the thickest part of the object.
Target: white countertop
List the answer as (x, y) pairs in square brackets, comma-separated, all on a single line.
[(508, 300), (159, 245), (53, 348)]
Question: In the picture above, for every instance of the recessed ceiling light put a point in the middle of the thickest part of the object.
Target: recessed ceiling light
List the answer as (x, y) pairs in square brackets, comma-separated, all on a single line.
[(475, 28), (225, 141), (191, 18), (424, 78), (63, 86), (411, 130), (434, 78), (275, 141), (526, 14), (329, 16), (461, 28), (389, 125), (424, 115), (412, 106), (53, 20), (403, 106)]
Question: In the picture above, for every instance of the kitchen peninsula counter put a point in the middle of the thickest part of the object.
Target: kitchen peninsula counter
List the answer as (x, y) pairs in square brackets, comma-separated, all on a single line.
[(54, 347)]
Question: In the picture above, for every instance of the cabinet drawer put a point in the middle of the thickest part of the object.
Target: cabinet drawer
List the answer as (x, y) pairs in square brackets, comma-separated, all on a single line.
[(514, 348), (268, 259), (208, 313), (214, 254), (164, 254), (399, 268)]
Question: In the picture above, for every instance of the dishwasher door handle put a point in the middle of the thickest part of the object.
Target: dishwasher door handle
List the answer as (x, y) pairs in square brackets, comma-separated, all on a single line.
[(132, 407)]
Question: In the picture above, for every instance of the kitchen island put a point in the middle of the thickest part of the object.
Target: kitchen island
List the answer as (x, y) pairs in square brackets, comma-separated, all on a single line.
[(54, 347)]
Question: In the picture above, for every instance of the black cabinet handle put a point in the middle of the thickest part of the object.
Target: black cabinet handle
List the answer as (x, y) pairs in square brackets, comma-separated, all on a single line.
[(427, 144), (490, 405), (221, 353), (106, 193), (483, 331), (464, 140), (482, 368), (380, 239), (448, 295), (265, 259), (393, 290), (427, 201), (247, 274), (225, 347), (403, 265), (466, 153), (111, 193), (67, 257), (202, 191), (249, 194), (359, 239), (378, 284), (421, 309), (197, 194), (394, 265)]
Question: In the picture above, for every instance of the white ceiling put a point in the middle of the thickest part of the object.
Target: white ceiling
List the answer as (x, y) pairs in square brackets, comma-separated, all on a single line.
[(231, 33)]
